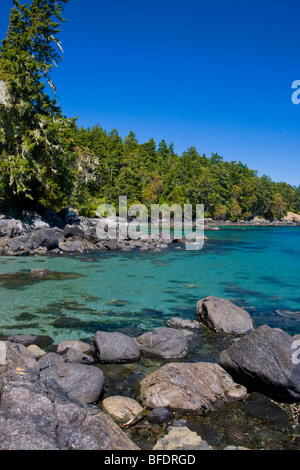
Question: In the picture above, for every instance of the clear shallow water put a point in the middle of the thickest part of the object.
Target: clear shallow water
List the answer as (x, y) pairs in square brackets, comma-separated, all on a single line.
[(257, 268)]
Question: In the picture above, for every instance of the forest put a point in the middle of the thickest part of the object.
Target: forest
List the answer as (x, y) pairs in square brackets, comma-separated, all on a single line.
[(47, 160)]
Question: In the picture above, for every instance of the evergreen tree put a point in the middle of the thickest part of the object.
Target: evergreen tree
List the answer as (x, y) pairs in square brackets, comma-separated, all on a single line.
[(36, 160)]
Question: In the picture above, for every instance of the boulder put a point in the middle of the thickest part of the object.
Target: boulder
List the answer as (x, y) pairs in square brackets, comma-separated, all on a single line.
[(116, 348), (37, 415), (181, 439), (71, 246), (78, 345), (18, 246), (221, 315), (121, 409), (27, 340), (263, 362), (36, 351), (191, 388), (73, 356), (83, 382), (49, 360), (166, 343), (73, 231), (10, 228), (48, 238)]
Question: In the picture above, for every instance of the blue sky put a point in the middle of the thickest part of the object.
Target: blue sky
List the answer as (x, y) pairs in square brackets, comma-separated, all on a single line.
[(213, 74)]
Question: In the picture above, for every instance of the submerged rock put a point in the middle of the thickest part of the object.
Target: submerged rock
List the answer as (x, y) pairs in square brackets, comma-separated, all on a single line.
[(181, 439), (183, 324), (189, 387), (223, 316), (263, 362), (78, 345), (163, 342), (116, 348), (28, 340)]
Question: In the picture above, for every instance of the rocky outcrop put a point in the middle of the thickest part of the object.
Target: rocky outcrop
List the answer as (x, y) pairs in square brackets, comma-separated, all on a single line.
[(189, 387), (163, 342), (63, 233), (35, 414), (116, 348), (222, 316), (263, 362)]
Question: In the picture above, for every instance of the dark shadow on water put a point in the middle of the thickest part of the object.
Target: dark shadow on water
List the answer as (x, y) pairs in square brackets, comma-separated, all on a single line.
[(20, 280)]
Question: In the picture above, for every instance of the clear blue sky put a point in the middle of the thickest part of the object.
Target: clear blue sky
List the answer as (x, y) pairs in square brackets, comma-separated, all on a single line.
[(213, 74)]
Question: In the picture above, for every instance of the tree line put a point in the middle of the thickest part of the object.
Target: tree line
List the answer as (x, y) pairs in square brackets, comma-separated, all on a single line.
[(47, 159)]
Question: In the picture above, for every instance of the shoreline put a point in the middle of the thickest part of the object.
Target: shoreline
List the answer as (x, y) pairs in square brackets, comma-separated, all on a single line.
[(67, 233)]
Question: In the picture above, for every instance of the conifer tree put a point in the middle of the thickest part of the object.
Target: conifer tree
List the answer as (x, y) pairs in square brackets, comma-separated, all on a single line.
[(36, 160)]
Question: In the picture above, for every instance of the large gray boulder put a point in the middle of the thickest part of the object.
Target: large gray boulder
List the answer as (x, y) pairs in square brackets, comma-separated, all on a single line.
[(37, 415), (263, 362), (191, 388), (116, 348), (221, 315), (10, 228), (80, 381), (166, 343), (48, 238)]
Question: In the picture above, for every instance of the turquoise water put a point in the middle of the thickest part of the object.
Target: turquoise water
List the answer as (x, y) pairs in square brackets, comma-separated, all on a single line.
[(257, 268)]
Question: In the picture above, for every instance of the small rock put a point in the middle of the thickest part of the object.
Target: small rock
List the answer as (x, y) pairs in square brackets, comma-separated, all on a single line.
[(236, 448), (183, 324), (78, 345), (121, 409), (73, 356), (180, 439), (49, 360), (159, 415), (235, 435), (36, 351)]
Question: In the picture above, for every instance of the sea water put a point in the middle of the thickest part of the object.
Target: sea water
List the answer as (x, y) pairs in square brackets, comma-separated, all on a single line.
[(258, 268)]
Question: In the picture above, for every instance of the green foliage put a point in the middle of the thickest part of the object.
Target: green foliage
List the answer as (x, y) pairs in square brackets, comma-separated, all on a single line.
[(36, 161), (46, 159)]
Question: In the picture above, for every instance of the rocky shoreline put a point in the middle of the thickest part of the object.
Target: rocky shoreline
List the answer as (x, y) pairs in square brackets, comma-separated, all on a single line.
[(57, 399), (30, 234)]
